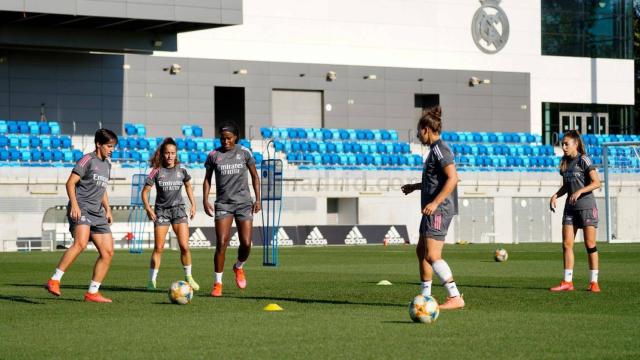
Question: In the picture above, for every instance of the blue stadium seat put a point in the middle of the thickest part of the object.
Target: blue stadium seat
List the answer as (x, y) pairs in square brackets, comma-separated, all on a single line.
[(65, 142), (183, 156), (130, 130), (36, 155), (190, 144), (266, 133), (4, 141), (34, 141), (187, 131), (25, 155), (4, 154), (67, 155), (23, 128), (23, 141), (55, 127), (141, 130)]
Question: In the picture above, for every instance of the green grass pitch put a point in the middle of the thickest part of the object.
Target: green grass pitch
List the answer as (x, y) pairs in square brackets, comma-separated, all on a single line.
[(332, 307)]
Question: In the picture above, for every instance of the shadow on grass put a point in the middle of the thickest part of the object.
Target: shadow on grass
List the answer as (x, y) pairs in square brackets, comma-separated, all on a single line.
[(104, 287), (463, 286), (313, 301), (408, 322), (20, 299)]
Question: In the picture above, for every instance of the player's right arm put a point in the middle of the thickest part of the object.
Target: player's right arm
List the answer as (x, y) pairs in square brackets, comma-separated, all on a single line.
[(144, 194), (206, 188), (71, 192), (554, 198), (409, 188)]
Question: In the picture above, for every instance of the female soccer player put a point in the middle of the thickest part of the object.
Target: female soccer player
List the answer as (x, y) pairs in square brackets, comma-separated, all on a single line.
[(439, 203), (579, 179), (168, 177), (230, 163), (89, 214)]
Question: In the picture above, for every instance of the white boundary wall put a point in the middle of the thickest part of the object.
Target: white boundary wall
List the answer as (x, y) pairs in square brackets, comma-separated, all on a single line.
[(24, 198)]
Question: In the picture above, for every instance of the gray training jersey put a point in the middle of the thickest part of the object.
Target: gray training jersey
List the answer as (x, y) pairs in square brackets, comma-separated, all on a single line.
[(230, 168), (433, 179), (575, 178), (168, 182), (94, 179)]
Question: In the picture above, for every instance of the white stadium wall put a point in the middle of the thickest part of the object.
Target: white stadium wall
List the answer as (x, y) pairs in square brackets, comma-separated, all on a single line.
[(421, 34)]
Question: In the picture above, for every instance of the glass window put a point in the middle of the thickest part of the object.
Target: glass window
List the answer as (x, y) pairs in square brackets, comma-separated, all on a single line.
[(588, 28)]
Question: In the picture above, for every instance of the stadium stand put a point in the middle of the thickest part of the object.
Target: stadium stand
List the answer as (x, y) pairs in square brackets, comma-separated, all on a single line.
[(366, 149)]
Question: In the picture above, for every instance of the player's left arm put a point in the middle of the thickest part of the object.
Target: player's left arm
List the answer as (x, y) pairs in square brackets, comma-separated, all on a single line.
[(449, 185), (192, 199), (107, 208), (255, 181), (594, 185)]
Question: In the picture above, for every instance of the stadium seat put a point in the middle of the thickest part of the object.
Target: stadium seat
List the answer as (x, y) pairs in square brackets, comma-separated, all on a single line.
[(4, 154), (34, 141)]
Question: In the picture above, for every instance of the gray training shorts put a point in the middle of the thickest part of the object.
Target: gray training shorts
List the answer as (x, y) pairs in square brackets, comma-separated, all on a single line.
[(581, 218), (171, 216), (240, 212), (435, 226), (98, 222)]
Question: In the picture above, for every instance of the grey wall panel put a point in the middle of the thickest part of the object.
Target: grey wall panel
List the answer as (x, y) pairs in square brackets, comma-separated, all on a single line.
[(102, 8), (149, 11), (205, 15), (54, 7), (201, 3), (231, 16), (152, 96)]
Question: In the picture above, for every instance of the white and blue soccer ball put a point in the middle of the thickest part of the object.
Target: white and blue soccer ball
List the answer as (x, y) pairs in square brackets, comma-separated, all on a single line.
[(180, 293), (500, 255), (424, 309)]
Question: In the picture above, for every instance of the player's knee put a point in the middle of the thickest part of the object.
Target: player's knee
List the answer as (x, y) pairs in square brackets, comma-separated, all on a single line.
[(107, 253), (158, 249), (592, 249), (79, 246), (567, 245), (433, 258)]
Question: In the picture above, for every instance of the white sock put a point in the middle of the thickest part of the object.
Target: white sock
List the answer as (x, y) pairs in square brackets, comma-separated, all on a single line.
[(568, 275), (187, 270), (441, 268), (593, 275), (58, 275), (153, 274), (94, 287), (239, 264), (426, 288), (219, 277), (452, 289)]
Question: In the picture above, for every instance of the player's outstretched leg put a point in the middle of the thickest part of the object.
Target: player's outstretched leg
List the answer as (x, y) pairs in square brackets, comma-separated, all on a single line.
[(441, 268), (104, 244)]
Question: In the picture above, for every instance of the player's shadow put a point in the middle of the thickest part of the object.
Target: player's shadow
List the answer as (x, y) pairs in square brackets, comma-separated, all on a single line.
[(398, 322), (20, 299), (315, 301), (463, 285), (84, 287)]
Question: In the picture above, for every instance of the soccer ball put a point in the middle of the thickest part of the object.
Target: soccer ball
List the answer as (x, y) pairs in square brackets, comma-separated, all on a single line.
[(180, 293), (500, 255), (424, 309)]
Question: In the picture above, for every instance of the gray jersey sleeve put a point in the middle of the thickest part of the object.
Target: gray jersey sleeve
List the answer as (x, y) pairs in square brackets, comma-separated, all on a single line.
[(587, 165), (444, 156), (185, 175), (250, 160), (151, 177)]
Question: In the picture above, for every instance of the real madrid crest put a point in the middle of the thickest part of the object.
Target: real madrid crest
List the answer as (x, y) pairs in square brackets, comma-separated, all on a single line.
[(490, 27)]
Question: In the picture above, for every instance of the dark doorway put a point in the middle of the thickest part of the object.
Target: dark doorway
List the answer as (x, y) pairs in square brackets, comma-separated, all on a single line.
[(425, 101), (229, 107)]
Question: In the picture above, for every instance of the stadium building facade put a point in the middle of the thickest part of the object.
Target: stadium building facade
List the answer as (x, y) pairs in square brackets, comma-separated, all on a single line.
[(494, 66)]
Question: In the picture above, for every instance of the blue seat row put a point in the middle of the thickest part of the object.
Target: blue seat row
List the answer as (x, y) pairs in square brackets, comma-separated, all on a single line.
[(367, 147), (186, 157), (491, 137), (34, 155), (329, 134), (32, 141), (355, 159), (29, 127), (592, 139), (200, 144), (192, 130), (135, 129), (502, 149)]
